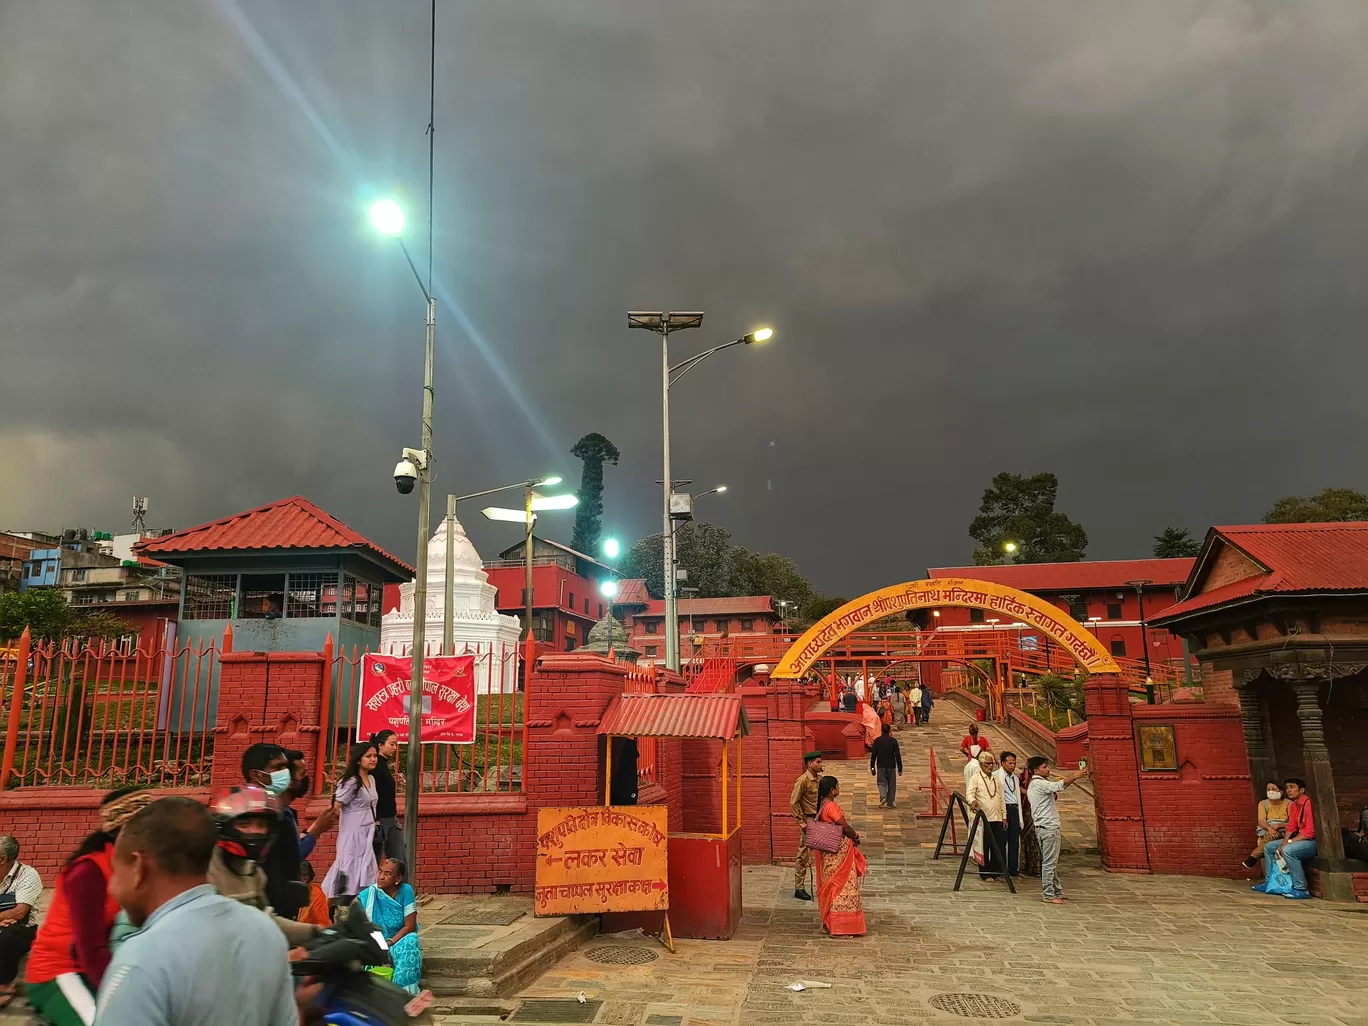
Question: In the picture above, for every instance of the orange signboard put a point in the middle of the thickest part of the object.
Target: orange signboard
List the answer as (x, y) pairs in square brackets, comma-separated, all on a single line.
[(602, 859)]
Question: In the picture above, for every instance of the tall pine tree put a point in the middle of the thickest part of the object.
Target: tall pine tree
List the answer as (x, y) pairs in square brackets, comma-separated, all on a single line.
[(594, 450)]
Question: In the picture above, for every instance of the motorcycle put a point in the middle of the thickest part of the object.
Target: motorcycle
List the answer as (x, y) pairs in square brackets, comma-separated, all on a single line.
[(351, 996)]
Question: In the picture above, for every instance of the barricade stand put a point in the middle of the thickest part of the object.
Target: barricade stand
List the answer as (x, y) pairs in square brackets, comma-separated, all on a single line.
[(935, 787), (956, 801), (989, 838)]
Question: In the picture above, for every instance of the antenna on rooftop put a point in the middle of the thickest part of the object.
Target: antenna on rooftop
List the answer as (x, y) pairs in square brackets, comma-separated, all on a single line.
[(139, 514)]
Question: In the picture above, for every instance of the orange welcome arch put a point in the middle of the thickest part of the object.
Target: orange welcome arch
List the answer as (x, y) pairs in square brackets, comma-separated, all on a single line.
[(1019, 606)]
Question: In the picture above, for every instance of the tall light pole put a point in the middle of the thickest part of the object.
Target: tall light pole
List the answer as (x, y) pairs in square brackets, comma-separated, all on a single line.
[(663, 323), (532, 505), (1139, 586), (448, 630), (388, 218)]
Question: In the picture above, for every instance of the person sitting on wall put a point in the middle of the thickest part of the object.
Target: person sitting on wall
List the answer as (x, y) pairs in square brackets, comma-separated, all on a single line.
[(1300, 842), (1356, 841), (1272, 814)]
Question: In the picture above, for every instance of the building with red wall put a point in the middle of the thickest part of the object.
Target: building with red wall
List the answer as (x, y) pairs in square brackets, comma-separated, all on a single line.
[(700, 619), (566, 596), (1096, 593)]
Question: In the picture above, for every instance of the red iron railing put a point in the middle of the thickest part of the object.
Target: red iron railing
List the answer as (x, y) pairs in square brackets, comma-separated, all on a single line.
[(644, 682), (85, 712), (494, 763)]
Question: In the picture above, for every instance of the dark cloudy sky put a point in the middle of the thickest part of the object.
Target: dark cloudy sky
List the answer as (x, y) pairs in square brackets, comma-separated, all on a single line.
[(1122, 242)]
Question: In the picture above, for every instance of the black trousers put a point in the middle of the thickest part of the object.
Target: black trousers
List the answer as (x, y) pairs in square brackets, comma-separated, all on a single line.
[(1014, 839), (15, 941), (991, 866)]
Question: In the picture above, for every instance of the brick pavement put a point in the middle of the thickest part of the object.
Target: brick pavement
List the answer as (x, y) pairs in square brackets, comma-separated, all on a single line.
[(1126, 949)]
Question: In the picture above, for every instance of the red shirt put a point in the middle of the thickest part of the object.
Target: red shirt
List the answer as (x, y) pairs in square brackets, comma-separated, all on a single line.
[(1300, 822), (981, 741)]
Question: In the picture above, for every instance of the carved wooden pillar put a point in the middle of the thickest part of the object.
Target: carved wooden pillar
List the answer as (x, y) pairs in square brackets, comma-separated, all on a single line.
[(1263, 765), (1325, 803)]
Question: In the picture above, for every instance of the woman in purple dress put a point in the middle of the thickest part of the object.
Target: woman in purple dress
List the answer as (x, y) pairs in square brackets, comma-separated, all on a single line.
[(356, 833)]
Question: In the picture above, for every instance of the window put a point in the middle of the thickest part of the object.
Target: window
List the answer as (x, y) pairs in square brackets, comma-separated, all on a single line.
[(133, 596), (652, 627), (263, 597), (600, 611), (651, 651), (1113, 610), (1118, 645), (522, 598), (77, 576), (569, 644), (210, 597), (748, 625), (304, 599), (572, 600), (976, 616), (586, 606), (1077, 606), (366, 602), (35, 569)]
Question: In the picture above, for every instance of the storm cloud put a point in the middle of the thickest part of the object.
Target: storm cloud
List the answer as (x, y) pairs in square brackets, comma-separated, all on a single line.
[(1120, 242)]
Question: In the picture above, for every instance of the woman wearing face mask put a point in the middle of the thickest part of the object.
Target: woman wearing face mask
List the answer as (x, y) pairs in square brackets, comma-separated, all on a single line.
[(1272, 813), (357, 799)]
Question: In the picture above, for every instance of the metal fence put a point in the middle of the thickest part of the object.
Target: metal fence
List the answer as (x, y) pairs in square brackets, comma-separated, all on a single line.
[(494, 763), (643, 681), (90, 713)]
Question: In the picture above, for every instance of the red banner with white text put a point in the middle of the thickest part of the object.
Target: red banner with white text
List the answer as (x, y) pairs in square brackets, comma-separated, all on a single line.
[(448, 698)]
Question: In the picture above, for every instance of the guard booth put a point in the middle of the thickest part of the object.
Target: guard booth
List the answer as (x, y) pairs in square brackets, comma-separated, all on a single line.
[(704, 868)]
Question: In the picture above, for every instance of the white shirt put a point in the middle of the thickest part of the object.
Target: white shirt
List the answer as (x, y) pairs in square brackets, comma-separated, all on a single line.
[(1043, 794), (1011, 786), (27, 887), (987, 792)]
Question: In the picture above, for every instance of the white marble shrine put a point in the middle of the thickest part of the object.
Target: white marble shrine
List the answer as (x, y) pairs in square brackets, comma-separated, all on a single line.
[(476, 627)]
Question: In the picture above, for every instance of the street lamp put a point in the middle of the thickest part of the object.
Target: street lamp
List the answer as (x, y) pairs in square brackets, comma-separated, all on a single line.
[(783, 615), (1139, 586), (448, 639), (532, 504), (663, 323), (612, 548)]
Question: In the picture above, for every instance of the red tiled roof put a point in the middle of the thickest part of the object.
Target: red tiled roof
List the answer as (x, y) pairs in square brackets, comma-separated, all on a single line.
[(1294, 558), (632, 592), (640, 715), (294, 523), (741, 605), (1088, 575)]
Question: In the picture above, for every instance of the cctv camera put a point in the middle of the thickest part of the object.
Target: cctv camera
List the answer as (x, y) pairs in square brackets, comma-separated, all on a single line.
[(405, 474)]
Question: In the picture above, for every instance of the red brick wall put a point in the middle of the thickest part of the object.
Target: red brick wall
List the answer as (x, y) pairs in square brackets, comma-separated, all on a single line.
[(1195, 820)]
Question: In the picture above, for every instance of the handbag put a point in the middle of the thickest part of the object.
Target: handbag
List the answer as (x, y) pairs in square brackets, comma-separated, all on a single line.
[(825, 837)]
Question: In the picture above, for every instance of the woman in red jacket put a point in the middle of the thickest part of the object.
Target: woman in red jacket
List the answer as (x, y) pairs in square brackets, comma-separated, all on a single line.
[(71, 951)]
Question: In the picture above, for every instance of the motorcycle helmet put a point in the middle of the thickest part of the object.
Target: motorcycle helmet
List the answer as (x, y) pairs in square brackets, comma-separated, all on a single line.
[(246, 820)]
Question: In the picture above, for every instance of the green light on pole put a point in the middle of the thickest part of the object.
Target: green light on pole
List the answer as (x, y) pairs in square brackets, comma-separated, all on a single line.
[(387, 217), (609, 588), (611, 548)]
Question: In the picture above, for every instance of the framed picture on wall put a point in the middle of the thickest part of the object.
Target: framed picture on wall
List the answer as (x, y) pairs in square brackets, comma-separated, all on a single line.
[(1158, 749)]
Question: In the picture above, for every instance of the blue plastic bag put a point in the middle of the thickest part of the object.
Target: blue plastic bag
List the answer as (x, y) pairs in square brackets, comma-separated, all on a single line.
[(1277, 881)]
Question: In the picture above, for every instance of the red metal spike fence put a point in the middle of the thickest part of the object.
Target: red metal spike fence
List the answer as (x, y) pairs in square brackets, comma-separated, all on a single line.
[(644, 682), (85, 712)]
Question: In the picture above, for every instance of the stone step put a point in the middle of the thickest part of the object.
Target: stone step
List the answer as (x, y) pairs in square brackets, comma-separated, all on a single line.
[(461, 961)]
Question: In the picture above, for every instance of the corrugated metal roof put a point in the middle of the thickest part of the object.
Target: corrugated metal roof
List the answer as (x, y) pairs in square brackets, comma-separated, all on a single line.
[(1298, 557), (293, 523), (632, 592), (1081, 576), (738, 606), (639, 715)]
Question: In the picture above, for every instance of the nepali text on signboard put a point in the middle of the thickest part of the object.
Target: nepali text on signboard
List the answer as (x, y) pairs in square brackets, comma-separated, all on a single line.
[(602, 859), (448, 698)]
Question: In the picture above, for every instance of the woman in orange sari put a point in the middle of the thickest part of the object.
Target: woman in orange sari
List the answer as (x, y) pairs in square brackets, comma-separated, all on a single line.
[(839, 874)]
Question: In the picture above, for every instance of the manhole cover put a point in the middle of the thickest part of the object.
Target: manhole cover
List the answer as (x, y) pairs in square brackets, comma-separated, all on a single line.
[(555, 1010), (975, 1006), (621, 955), (483, 917)]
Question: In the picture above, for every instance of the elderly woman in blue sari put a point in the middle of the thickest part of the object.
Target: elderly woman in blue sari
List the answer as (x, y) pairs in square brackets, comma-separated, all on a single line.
[(391, 906)]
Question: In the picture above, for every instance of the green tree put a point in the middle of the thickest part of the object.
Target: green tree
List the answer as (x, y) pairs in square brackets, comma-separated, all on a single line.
[(821, 605), (702, 550), (594, 450), (43, 610), (1020, 510), (1174, 542), (768, 573), (1328, 506)]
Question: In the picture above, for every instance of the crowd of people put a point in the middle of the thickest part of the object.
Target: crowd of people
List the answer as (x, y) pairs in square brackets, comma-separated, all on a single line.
[(166, 886)]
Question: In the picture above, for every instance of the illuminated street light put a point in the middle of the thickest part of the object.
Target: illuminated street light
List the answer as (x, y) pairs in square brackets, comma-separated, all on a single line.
[(387, 218), (546, 502), (608, 588), (611, 548), (663, 323), (1009, 547)]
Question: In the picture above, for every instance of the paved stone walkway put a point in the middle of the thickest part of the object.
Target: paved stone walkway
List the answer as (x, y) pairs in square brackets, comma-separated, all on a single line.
[(1126, 949)]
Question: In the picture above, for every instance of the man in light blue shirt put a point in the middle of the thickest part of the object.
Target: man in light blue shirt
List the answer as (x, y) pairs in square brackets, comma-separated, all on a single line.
[(198, 959)]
